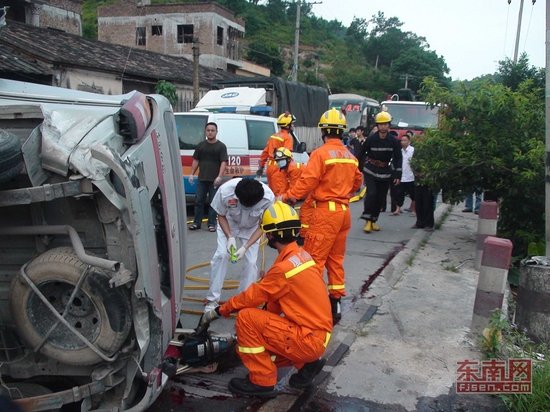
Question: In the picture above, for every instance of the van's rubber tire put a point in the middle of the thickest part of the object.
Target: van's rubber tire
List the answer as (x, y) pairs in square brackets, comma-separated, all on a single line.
[(11, 159), (101, 313)]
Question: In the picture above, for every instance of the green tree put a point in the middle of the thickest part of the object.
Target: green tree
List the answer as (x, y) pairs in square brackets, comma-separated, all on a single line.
[(513, 74), (168, 90), (421, 63), (266, 53), (492, 138)]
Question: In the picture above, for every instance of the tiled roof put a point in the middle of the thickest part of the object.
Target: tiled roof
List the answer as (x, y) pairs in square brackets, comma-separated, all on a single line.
[(33, 50)]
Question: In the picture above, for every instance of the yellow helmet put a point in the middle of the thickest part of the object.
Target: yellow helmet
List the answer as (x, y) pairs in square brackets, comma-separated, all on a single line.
[(382, 117), (280, 217), (282, 153), (285, 119), (333, 121)]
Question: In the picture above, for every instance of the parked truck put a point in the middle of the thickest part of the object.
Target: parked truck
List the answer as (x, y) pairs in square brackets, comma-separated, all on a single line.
[(276, 96), (413, 116), (92, 246)]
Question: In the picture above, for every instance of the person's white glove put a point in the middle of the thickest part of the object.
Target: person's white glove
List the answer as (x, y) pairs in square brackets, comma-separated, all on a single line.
[(191, 179), (240, 253), (231, 244)]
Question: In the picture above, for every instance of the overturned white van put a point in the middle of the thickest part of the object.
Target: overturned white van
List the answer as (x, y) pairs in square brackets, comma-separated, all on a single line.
[(92, 246)]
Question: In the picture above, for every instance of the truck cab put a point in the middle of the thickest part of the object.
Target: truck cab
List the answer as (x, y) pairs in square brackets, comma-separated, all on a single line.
[(92, 246), (414, 116)]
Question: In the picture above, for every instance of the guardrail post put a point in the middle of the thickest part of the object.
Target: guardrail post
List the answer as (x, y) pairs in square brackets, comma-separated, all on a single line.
[(493, 275), (486, 226)]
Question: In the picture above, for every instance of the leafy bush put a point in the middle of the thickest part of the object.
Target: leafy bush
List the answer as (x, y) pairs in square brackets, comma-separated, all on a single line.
[(490, 137)]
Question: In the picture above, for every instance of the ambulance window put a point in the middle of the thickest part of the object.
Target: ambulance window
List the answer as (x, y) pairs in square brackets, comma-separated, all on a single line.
[(232, 132), (190, 130), (258, 133)]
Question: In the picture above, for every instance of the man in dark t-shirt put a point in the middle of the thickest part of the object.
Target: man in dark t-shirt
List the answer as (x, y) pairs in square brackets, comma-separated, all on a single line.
[(210, 157)]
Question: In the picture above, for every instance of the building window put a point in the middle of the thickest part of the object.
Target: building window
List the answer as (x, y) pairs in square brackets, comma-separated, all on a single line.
[(185, 33), (140, 36), (220, 36), (156, 30)]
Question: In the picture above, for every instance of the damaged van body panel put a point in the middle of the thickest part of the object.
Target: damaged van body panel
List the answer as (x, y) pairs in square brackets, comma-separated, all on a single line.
[(92, 245)]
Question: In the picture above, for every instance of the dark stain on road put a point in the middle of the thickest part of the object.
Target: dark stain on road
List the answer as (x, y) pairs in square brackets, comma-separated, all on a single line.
[(372, 277)]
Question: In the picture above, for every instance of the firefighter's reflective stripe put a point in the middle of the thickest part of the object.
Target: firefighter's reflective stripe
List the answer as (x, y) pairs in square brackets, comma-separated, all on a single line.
[(349, 161), (244, 349), (331, 205), (327, 339), (336, 287), (280, 139), (299, 268)]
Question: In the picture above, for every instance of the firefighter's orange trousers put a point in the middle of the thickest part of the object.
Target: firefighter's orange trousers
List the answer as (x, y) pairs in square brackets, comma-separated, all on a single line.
[(306, 211), (276, 180), (326, 242), (262, 335)]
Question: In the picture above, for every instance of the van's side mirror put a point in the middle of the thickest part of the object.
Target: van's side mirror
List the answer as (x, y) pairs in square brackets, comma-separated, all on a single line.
[(301, 147)]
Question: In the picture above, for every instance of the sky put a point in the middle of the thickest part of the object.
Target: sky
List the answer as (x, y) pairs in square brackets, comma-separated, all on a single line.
[(471, 35)]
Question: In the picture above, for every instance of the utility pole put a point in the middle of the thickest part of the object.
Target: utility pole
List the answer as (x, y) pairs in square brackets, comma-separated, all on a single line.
[(519, 30), (196, 54), (294, 73), (547, 102)]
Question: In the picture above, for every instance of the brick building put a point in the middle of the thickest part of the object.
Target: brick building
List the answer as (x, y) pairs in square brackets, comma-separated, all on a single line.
[(64, 15), (175, 29)]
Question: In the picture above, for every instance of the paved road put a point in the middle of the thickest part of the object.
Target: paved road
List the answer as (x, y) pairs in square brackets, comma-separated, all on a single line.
[(367, 255)]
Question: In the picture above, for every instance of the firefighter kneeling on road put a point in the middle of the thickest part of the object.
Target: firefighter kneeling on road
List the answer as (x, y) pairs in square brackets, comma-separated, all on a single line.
[(331, 178), (296, 326)]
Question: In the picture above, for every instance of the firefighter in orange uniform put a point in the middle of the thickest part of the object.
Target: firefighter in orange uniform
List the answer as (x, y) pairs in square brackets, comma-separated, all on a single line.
[(296, 326), (281, 139), (288, 171), (332, 177)]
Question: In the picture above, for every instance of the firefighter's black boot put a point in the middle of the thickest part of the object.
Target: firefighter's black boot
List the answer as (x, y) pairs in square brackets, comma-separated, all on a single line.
[(304, 377), (336, 309), (243, 386)]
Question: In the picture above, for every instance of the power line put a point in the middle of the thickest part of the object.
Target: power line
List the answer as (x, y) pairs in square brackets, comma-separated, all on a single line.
[(528, 25)]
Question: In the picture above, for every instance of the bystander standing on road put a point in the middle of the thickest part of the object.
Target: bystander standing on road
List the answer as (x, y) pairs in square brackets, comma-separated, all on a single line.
[(472, 202), (351, 135), (357, 143), (210, 158), (240, 204), (332, 178), (295, 327), (379, 150), (425, 204), (406, 186)]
